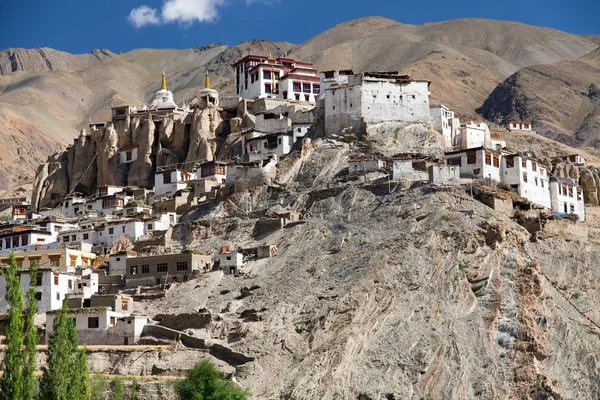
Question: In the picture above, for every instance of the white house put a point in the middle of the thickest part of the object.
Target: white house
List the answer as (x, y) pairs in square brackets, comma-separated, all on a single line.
[(72, 205), (402, 168), (476, 163), (371, 98), (261, 146), (52, 287), (567, 197), (216, 170), (282, 77), (498, 138), (128, 154), (576, 159), (527, 178), (445, 122), (474, 135), (230, 262), (519, 126), (364, 166), (117, 263), (169, 181)]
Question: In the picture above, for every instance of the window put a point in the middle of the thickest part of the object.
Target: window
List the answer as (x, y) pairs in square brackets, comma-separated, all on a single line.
[(510, 162), (89, 207), (145, 268), (112, 321), (524, 163), (572, 208), (329, 74), (496, 161), (524, 176), (133, 270), (297, 87), (38, 296), (542, 182), (535, 180), (111, 231), (182, 265), (123, 229), (56, 279), (76, 209), (167, 177), (454, 161), (534, 166), (316, 89), (70, 284), (228, 258), (306, 87), (73, 238), (57, 296), (66, 238), (570, 191), (268, 88), (125, 304), (38, 279), (149, 226), (279, 141), (488, 159), (128, 156), (93, 322), (162, 267), (266, 74)]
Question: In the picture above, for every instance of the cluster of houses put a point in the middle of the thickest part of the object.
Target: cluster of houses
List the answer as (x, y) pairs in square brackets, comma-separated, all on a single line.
[(73, 243)]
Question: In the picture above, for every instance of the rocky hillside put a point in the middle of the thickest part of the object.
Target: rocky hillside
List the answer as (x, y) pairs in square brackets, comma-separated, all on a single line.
[(562, 100), (455, 301), (47, 96)]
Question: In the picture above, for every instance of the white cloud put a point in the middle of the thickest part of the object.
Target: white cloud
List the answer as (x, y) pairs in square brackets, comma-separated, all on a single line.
[(190, 11), (182, 11), (143, 15), (266, 2)]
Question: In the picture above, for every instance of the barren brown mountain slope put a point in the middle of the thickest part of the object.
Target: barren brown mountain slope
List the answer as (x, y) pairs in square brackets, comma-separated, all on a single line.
[(562, 100), (47, 95)]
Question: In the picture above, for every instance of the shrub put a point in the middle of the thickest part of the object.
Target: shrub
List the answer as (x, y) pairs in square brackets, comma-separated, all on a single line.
[(205, 382), (445, 218)]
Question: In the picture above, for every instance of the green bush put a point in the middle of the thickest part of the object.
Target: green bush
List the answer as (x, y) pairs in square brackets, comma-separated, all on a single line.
[(445, 218), (205, 382)]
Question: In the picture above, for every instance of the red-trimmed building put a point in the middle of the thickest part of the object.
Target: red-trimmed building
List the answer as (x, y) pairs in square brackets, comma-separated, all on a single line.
[(283, 78)]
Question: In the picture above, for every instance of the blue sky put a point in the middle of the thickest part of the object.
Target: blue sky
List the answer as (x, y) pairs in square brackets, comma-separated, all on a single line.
[(78, 26)]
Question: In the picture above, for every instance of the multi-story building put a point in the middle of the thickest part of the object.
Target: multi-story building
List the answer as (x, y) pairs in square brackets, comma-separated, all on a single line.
[(445, 122), (474, 135), (373, 98), (478, 163), (527, 178), (498, 138), (169, 180), (52, 287), (567, 197), (285, 78), (61, 257), (156, 270)]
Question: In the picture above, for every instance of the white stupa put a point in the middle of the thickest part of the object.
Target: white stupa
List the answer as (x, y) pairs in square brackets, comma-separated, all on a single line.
[(163, 98)]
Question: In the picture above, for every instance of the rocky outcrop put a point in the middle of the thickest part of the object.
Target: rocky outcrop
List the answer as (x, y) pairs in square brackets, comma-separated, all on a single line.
[(590, 182), (162, 139), (567, 169)]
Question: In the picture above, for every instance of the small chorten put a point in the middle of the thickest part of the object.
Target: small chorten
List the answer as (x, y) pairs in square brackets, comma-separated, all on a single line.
[(207, 95), (163, 98)]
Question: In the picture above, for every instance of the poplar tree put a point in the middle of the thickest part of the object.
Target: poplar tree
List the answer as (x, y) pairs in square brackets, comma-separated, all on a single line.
[(31, 337), (58, 376), (11, 382)]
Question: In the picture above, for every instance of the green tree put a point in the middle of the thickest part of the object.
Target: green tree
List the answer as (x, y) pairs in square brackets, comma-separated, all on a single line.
[(11, 382), (66, 377), (205, 382), (31, 338)]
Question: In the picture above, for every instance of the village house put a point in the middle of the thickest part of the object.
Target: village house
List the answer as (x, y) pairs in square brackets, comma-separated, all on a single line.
[(178, 203), (23, 237), (402, 168), (128, 154), (117, 262), (215, 170), (519, 126), (169, 180), (285, 78), (474, 135), (166, 268), (527, 178), (19, 212), (477, 163), (229, 262), (445, 122), (72, 205), (102, 320), (61, 257), (364, 166), (375, 97), (567, 197), (52, 287), (266, 251), (259, 146), (576, 159), (444, 174)]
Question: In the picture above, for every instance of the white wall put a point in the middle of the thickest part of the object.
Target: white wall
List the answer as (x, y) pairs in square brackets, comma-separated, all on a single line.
[(566, 199), (475, 135), (479, 169), (537, 187), (123, 156)]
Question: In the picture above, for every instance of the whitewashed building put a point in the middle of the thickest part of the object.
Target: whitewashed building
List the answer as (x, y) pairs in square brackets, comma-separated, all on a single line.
[(215, 170), (519, 126), (474, 135), (445, 122), (477, 163), (128, 154), (52, 287), (498, 138), (576, 159), (567, 197), (72, 206), (285, 78), (329, 78), (230, 262), (169, 181), (527, 178), (262, 146), (371, 98)]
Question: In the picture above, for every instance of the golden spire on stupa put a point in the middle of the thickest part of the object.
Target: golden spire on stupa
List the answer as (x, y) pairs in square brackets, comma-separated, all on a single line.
[(207, 81), (164, 81)]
